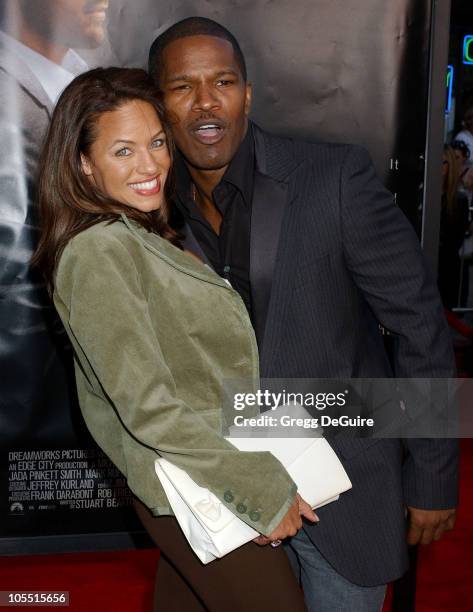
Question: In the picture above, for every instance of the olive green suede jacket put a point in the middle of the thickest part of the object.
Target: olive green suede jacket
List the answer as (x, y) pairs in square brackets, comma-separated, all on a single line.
[(156, 334)]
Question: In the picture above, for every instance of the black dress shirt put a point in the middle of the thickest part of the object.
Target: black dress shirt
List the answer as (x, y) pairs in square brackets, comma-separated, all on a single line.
[(229, 251)]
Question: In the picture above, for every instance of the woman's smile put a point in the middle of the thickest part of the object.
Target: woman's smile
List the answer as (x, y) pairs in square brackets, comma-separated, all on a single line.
[(147, 187)]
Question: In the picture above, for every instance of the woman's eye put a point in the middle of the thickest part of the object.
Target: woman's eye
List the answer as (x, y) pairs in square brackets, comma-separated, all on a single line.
[(158, 143), (124, 152)]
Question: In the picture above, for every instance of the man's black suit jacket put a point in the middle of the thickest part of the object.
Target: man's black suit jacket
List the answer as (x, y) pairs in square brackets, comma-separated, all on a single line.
[(331, 258)]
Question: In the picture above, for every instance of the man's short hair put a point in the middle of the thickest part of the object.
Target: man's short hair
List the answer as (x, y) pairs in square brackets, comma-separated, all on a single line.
[(192, 26)]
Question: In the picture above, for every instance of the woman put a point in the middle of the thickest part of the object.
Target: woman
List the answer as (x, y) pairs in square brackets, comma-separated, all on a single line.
[(155, 334), (453, 225)]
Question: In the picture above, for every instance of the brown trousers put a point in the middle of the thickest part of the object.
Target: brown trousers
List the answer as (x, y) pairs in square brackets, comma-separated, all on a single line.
[(250, 579)]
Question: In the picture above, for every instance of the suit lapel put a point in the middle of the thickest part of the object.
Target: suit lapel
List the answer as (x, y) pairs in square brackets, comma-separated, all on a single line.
[(14, 66), (272, 197), (274, 233), (269, 201)]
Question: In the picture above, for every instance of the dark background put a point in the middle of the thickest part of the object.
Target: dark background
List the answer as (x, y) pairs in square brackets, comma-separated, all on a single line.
[(461, 24)]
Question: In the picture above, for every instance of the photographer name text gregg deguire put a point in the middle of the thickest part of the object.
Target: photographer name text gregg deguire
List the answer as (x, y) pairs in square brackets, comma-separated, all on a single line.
[(279, 401)]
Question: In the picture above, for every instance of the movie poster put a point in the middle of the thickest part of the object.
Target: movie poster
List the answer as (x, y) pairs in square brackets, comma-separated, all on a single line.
[(336, 70)]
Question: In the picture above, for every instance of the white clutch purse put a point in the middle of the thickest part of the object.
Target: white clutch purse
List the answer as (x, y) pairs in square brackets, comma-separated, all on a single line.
[(211, 529)]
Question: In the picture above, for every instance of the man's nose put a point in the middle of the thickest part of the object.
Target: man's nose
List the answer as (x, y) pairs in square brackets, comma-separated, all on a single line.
[(206, 98)]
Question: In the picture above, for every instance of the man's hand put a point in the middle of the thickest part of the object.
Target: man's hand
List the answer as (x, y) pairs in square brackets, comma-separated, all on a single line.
[(291, 523), (424, 526)]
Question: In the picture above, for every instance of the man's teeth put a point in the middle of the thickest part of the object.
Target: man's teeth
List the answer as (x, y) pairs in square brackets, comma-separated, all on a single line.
[(145, 185), (210, 126)]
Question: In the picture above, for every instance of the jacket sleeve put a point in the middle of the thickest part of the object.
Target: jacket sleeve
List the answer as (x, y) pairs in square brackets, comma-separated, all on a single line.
[(100, 286), (384, 257)]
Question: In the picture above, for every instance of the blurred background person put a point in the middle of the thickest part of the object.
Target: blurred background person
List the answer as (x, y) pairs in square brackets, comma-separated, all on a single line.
[(453, 226), (466, 134), (36, 64), (463, 155)]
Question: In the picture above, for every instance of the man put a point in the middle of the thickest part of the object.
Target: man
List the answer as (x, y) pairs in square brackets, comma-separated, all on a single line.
[(321, 256), (466, 134), (36, 64)]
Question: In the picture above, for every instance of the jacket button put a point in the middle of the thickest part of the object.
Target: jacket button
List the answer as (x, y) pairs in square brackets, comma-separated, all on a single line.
[(255, 515), (228, 496), (241, 508)]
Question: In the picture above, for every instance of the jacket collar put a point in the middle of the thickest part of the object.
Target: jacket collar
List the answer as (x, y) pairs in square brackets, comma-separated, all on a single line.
[(172, 255), (273, 158), (18, 70)]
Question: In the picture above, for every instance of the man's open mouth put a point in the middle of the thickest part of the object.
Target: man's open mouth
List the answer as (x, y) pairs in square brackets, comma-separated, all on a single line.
[(210, 132)]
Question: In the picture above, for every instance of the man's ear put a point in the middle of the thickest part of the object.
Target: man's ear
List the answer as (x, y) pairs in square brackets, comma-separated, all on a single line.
[(248, 97), (86, 167)]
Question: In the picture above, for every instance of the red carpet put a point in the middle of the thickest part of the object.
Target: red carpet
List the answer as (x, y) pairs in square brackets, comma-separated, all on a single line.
[(123, 581), (445, 575), (118, 581)]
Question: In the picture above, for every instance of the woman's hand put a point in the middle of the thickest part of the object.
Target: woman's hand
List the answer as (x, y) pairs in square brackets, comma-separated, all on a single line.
[(291, 523)]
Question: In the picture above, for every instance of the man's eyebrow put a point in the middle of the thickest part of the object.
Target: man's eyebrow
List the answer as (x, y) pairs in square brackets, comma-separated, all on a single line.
[(227, 71), (188, 77), (179, 77)]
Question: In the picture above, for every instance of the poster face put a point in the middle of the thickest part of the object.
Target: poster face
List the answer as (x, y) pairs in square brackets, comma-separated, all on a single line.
[(335, 70)]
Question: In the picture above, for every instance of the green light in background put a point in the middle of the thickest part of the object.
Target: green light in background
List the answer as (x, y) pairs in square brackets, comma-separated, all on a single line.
[(468, 49)]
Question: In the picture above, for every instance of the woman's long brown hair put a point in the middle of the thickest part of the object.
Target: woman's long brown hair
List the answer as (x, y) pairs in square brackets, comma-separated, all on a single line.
[(68, 201)]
